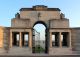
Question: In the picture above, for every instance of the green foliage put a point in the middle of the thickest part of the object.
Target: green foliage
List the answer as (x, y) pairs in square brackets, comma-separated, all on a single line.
[(39, 49)]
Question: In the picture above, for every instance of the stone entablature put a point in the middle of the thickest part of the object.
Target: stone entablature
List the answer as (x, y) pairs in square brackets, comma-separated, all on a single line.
[(40, 8), (47, 15)]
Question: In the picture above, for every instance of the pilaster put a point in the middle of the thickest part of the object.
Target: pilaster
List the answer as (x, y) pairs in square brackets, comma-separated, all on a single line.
[(20, 40), (10, 39), (50, 39), (60, 42)]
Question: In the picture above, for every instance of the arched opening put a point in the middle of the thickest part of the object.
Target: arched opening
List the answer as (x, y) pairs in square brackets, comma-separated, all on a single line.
[(39, 37)]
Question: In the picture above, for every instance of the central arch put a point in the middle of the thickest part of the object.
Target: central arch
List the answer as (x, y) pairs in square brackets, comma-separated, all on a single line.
[(34, 37)]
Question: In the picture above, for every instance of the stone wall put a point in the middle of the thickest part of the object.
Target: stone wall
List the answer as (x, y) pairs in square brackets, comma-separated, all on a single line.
[(6, 34), (76, 40), (29, 23), (60, 51), (61, 23), (1, 37), (20, 23), (4, 39), (44, 15)]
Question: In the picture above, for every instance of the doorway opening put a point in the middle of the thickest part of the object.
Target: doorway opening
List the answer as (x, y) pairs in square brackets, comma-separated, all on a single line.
[(55, 39), (25, 39), (65, 39), (15, 37), (40, 38)]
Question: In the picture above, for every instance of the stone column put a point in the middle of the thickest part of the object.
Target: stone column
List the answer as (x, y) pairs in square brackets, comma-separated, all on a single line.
[(50, 39), (10, 39), (60, 42), (69, 37), (30, 39), (20, 40)]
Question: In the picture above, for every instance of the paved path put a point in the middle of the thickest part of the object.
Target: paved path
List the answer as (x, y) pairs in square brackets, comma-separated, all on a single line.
[(45, 56)]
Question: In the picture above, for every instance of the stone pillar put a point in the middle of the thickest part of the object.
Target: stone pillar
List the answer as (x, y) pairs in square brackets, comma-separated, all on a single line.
[(20, 40), (69, 37), (60, 42), (1, 36), (10, 39), (30, 39), (50, 39)]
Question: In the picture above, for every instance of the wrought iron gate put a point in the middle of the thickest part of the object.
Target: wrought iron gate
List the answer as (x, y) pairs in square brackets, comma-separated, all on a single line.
[(37, 48)]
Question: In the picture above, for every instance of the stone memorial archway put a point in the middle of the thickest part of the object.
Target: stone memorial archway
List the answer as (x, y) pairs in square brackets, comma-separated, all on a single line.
[(20, 37), (46, 38)]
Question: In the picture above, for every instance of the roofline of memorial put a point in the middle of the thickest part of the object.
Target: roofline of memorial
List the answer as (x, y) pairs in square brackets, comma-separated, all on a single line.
[(32, 9)]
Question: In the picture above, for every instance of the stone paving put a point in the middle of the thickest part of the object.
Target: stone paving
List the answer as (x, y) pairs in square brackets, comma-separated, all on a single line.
[(45, 56)]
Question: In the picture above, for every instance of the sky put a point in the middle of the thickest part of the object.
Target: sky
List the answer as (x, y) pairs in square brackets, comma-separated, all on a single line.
[(40, 32), (71, 9)]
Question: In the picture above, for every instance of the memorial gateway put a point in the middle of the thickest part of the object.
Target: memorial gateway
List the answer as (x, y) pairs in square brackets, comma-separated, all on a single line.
[(20, 37)]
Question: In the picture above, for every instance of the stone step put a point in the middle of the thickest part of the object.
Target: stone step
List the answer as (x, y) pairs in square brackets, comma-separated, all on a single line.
[(19, 51), (2, 50), (60, 51), (76, 52), (45, 56)]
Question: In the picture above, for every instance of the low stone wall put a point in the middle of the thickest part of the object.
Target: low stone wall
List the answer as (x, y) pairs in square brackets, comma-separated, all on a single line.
[(20, 51), (60, 51)]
